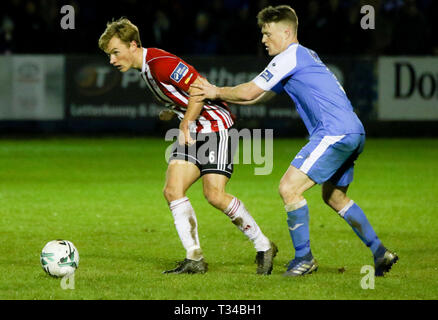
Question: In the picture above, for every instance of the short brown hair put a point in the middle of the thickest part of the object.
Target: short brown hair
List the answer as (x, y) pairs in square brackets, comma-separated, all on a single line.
[(123, 29), (277, 14)]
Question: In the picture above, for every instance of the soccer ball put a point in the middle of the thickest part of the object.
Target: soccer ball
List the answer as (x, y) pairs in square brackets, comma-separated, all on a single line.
[(59, 258)]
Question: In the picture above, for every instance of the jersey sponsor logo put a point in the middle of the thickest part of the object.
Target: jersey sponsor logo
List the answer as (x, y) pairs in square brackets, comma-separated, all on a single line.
[(267, 75), (179, 72)]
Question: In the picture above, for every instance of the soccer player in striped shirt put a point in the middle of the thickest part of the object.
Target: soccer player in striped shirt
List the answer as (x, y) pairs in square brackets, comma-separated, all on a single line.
[(337, 135), (202, 124)]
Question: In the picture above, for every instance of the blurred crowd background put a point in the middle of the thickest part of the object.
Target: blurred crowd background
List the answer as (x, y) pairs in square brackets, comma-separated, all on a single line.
[(221, 27)]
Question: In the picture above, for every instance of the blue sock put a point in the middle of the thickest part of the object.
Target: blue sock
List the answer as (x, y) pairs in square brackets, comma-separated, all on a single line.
[(357, 220), (298, 222)]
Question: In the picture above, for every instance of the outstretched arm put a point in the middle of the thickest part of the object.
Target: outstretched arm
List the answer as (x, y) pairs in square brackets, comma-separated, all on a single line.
[(265, 96), (245, 93)]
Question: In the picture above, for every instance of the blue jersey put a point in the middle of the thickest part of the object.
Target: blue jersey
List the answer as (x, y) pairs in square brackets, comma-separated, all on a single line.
[(319, 98)]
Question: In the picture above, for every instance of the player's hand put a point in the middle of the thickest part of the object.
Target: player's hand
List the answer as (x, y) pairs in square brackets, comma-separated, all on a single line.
[(206, 90), (184, 137), (166, 115)]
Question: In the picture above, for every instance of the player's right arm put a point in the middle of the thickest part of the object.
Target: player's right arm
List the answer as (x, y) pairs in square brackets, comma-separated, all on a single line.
[(265, 96), (243, 94), (282, 66)]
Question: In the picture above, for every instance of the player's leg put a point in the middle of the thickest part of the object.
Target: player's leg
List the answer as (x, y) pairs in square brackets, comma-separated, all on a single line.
[(316, 162), (336, 197), (334, 193), (180, 176), (214, 192), (216, 195), (292, 186), (216, 170)]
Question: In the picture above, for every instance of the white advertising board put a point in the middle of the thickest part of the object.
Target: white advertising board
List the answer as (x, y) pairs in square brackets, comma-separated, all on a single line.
[(408, 88)]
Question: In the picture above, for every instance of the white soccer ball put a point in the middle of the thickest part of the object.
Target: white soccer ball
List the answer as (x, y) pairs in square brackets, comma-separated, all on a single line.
[(59, 258)]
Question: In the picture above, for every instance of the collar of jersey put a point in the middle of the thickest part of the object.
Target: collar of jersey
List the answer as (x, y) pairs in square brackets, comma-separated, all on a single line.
[(143, 67)]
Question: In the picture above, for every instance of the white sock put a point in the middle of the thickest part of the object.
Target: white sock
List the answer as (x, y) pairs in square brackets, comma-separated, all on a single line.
[(246, 223), (187, 227)]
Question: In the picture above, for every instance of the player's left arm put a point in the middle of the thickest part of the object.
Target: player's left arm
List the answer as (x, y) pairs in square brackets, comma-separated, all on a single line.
[(176, 72), (194, 108)]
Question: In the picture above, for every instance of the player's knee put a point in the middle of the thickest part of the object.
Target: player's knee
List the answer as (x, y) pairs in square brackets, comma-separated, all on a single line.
[(167, 193), (282, 189), (288, 193), (171, 193)]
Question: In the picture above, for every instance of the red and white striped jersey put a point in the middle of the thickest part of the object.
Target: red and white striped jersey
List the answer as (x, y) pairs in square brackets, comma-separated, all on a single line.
[(169, 78)]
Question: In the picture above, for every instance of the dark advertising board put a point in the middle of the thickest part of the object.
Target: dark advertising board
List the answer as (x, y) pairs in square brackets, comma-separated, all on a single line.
[(96, 90)]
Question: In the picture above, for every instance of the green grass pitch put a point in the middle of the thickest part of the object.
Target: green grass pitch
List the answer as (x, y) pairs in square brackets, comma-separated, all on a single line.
[(105, 195)]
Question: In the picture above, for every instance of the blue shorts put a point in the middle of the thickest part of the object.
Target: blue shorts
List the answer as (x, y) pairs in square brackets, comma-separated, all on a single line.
[(330, 158)]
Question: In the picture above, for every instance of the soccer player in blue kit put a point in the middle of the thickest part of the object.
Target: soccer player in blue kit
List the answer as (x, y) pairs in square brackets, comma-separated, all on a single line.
[(337, 136)]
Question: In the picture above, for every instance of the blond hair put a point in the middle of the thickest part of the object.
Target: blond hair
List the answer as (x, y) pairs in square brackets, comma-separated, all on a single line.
[(123, 29), (276, 14)]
